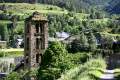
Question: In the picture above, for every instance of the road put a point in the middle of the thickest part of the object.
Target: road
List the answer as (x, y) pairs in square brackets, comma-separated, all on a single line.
[(108, 75)]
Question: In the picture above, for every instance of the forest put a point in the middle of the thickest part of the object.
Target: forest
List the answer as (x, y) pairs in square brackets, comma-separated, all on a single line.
[(94, 37)]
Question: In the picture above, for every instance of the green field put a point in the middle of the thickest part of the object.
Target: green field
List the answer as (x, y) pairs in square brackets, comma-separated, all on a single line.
[(11, 52), (24, 8)]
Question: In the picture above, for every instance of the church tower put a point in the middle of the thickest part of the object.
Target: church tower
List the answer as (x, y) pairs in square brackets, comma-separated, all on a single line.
[(36, 40)]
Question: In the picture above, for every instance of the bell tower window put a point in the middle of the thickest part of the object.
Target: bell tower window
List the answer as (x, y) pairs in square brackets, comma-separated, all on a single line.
[(37, 58), (37, 43), (27, 45), (37, 28)]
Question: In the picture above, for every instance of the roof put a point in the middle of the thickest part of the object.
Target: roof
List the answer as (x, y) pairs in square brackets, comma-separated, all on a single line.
[(62, 35), (3, 41), (36, 16), (20, 40), (117, 42), (3, 75)]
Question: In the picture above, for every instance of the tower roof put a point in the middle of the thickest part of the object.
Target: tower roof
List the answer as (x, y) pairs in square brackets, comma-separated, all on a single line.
[(36, 16)]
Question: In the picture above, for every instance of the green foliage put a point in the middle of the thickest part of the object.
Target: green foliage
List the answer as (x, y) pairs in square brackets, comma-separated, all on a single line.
[(76, 5), (3, 31), (13, 76), (92, 41), (117, 74), (2, 54), (91, 70), (6, 66), (11, 54), (86, 41), (79, 57), (67, 23), (57, 60), (19, 30)]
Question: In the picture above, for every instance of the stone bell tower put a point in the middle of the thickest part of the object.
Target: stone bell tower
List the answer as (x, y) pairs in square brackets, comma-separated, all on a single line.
[(36, 40)]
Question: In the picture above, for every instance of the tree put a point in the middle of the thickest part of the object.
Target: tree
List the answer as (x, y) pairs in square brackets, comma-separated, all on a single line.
[(83, 41), (55, 61), (80, 44), (3, 31), (92, 41)]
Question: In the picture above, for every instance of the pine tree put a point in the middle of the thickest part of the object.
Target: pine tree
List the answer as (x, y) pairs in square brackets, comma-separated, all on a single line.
[(92, 41)]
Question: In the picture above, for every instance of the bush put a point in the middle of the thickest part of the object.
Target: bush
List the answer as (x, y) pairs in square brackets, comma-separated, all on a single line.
[(91, 70), (13, 76), (80, 57), (96, 63), (2, 54), (55, 61)]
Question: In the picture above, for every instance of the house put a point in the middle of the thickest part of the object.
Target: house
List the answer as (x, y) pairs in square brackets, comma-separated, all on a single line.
[(3, 44), (62, 35), (59, 36), (18, 42)]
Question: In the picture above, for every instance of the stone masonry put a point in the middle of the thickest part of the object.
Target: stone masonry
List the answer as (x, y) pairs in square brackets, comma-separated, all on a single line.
[(36, 40)]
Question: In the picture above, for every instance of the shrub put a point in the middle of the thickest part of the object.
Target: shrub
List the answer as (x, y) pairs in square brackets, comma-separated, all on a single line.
[(13, 76), (91, 70), (2, 54), (55, 61), (96, 63)]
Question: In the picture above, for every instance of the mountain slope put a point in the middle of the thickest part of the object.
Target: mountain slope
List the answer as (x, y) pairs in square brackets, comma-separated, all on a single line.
[(77, 4), (74, 5), (114, 7)]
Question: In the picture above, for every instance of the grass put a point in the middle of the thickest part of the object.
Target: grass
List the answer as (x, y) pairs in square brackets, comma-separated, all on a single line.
[(109, 34), (91, 70), (7, 21), (11, 52), (31, 6), (25, 8), (97, 72), (82, 16), (117, 73)]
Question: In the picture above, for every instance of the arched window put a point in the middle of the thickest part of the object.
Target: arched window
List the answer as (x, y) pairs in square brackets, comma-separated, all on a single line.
[(27, 44), (37, 58)]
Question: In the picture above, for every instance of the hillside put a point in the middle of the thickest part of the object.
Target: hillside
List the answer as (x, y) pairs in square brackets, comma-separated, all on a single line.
[(81, 38), (72, 5), (24, 8), (77, 5), (113, 7)]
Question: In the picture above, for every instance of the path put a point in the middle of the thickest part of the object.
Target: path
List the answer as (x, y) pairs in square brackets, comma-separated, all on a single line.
[(108, 75), (3, 75)]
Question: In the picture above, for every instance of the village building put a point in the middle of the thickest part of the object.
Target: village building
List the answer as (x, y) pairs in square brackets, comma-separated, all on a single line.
[(3, 44), (59, 36)]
